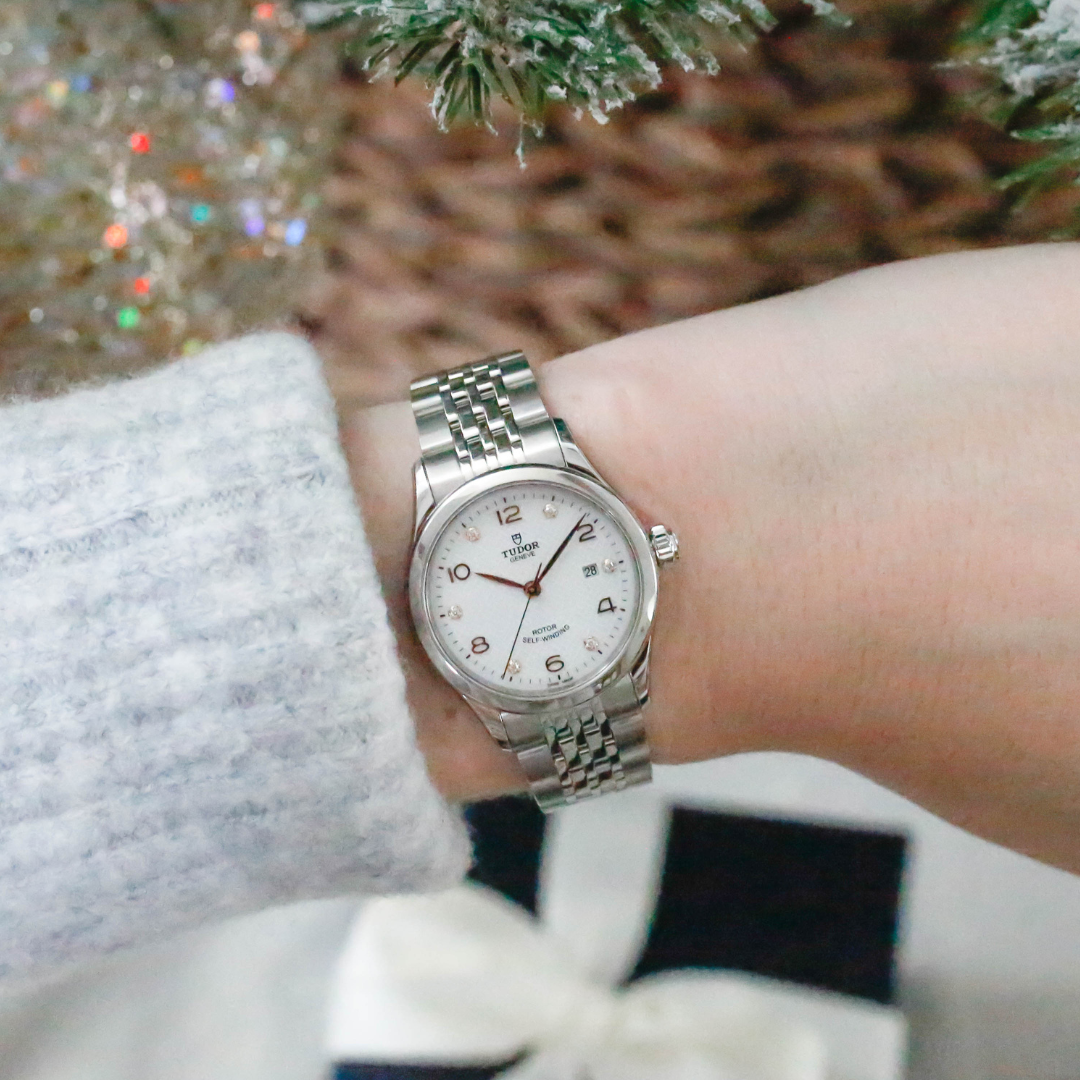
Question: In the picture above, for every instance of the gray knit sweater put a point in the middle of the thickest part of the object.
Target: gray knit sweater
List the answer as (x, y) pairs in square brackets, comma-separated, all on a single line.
[(200, 708)]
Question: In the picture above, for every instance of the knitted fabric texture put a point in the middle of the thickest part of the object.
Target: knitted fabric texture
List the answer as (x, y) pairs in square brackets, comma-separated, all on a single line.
[(201, 712)]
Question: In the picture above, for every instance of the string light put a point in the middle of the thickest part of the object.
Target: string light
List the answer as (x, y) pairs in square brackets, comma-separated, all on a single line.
[(157, 254), (295, 232), (252, 218), (116, 236), (220, 92), (57, 92)]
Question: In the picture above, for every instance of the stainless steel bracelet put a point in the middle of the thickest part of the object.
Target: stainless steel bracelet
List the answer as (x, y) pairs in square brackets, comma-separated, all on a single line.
[(474, 420), (596, 748)]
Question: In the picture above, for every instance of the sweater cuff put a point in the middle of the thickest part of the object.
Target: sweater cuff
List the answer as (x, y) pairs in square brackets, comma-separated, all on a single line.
[(201, 712)]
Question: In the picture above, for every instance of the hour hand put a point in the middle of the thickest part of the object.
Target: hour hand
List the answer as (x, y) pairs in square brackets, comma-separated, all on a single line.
[(500, 580)]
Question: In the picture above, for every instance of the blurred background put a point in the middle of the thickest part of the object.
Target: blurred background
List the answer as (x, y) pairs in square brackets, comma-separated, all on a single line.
[(173, 174), (308, 197), (818, 151)]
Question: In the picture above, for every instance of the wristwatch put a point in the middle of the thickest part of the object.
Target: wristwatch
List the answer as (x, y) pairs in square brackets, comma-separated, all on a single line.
[(532, 584)]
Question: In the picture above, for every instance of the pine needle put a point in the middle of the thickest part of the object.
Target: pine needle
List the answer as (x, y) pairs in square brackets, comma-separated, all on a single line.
[(595, 56), (1034, 47)]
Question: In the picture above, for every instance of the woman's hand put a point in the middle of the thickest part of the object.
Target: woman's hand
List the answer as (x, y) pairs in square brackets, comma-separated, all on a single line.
[(876, 485)]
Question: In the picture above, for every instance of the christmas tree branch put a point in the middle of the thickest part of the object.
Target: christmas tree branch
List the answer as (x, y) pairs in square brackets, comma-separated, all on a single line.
[(1034, 47), (594, 56)]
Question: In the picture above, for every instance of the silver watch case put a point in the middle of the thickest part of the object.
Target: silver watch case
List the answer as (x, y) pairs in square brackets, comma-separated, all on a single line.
[(430, 526)]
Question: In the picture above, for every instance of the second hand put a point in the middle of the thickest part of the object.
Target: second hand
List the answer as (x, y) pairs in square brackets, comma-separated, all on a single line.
[(531, 589), (516, 636)]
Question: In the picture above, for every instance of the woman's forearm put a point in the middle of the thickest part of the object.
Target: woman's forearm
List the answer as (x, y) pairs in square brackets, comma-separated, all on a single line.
[(876, 488)]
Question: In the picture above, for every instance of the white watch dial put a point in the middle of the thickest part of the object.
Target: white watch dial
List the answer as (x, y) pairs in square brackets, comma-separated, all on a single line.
[(532, 589)]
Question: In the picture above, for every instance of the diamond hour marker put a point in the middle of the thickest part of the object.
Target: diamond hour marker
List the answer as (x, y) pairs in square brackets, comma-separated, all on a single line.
[(609, 566), (513, 667), (472, 534), (592, 644), (454, 612), (551, 510)]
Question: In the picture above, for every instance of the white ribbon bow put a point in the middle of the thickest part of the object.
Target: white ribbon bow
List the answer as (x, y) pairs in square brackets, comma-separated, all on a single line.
[(465, 977), (470, 977)]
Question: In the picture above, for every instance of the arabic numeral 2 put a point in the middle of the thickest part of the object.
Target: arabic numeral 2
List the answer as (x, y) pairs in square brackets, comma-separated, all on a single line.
[(586, 532)]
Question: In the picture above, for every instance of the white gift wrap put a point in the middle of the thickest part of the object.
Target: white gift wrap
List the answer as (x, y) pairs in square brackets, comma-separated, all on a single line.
[(465, 977)]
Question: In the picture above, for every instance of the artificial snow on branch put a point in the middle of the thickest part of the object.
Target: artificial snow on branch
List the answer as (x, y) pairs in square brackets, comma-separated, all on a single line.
[(596, 56), (1034, 47)]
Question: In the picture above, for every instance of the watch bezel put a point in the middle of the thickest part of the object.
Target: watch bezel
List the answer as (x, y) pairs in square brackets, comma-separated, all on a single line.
[(440, 517)]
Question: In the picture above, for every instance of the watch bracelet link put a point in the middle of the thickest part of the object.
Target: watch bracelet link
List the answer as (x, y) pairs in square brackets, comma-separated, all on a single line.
[(594, 749), (471, 421), (475, 419)]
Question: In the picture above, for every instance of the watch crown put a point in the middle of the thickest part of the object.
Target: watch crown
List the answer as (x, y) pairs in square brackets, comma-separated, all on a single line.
[(664, 544)]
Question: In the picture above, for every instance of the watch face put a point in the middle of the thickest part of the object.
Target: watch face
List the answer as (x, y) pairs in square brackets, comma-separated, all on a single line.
[(532, 589)]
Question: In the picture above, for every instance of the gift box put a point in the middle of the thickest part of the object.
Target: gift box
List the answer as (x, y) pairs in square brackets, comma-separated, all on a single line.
[(634, 939)]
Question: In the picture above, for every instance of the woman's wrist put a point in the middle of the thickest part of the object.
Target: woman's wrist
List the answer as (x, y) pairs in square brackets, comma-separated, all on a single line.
[(627, 405), (639, 414), (872, 481), (872, 487), (463, 761)]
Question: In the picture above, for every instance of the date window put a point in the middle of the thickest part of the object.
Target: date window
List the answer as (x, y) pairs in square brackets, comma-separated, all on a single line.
[(590, 570)]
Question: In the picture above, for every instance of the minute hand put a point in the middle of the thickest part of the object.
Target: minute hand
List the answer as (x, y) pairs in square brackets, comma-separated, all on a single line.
[(558, 551)]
